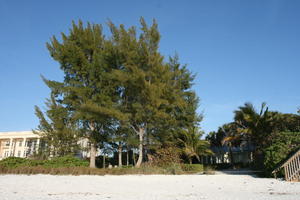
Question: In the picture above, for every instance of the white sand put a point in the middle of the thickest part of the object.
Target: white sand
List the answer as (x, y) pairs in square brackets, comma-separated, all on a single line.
[(145, 187)]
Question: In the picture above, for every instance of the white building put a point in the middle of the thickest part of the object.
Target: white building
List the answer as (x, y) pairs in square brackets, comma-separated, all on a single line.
[(18, 144), (25, 143)]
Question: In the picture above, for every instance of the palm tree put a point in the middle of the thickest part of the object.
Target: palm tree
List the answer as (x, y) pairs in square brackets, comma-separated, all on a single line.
[(192, 145), (232, 137), (256, 128), (253, 126)]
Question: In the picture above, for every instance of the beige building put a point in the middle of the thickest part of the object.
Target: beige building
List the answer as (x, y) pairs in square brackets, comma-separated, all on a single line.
[(25, 143), (18, 144)]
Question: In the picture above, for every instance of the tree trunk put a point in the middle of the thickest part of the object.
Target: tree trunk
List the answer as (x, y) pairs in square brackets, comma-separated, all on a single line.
[(93, 148), (93, 156), (141, 138), (127, 157), (103, 161), (120, 154), (133, 158)]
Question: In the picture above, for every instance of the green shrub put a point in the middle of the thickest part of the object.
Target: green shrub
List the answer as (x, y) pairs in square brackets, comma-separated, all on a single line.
[(66, 161), (174, 169), (283, 145), (192, 167), (70, 165), (13, 162), (165, 157)]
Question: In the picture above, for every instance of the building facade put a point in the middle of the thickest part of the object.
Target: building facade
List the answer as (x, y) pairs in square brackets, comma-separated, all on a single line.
[(23, 144), (18, 144)]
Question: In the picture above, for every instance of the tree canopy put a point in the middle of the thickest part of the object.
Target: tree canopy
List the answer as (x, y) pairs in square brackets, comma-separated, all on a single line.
[(120, 83), (274, 135)]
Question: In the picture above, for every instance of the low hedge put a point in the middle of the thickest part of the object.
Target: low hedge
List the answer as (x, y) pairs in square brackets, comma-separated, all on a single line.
[(75, 166), (192, 167), (66, 161), (86, 170)]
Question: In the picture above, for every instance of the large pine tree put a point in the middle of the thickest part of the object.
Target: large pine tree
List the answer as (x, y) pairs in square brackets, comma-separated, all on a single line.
[(156, 96), (88, 90), (120, 82)]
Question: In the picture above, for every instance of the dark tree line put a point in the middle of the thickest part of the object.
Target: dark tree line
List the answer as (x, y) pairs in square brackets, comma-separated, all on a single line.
[(273, 134)]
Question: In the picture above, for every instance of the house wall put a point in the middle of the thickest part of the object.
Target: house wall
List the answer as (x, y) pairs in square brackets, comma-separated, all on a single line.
[(25, 143), (18, 144)]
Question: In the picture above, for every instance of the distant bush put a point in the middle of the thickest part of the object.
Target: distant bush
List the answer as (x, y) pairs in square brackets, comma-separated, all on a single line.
[(74, 166), (283, 145), (89, 171), (13, 162), (192, 167), (166, 157), (66, 161)]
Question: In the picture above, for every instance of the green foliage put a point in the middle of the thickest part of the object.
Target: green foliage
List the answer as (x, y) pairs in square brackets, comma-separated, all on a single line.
[(274, 135), (216, 138), (191, 144), (119, 82), (262, 127), (144, 169), (75, 166), (66, 161), (283, 145), (13, 162), (57, 130), (165, 157), (252, 125), (192, 167)]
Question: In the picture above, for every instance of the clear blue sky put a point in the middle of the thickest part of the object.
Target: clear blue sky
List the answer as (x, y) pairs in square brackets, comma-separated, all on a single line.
[(241, 50)]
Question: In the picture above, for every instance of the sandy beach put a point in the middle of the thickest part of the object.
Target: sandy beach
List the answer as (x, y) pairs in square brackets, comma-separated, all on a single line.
[(146, 187)]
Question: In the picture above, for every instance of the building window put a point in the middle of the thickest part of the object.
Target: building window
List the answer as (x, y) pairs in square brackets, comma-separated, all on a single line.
[(28, 143), (20, 143), (19, 153), (7, 143), (6, 154)]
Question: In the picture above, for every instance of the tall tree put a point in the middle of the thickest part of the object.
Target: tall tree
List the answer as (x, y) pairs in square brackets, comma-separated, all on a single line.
[(147, 84), (57, 130), (87, 90), (122, 81)]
